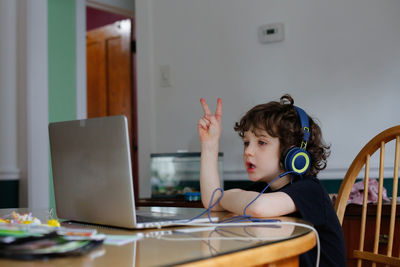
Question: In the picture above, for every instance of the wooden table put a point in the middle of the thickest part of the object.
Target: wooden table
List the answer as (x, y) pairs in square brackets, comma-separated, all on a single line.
[(276, 245)]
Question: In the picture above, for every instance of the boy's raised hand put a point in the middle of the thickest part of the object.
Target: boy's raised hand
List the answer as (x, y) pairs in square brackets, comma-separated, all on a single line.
[(209, 125)]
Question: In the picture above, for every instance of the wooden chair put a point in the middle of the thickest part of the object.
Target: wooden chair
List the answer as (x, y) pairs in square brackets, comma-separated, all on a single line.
[(377, 255)]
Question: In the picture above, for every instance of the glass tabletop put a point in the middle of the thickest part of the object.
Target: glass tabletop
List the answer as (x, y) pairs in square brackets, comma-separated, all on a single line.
[(175, 245)]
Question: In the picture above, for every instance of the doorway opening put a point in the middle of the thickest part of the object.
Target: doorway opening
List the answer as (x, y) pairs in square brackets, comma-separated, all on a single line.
[(111, 72)]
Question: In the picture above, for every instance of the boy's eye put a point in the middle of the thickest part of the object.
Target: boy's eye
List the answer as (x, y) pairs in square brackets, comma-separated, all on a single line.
[(261, 143), (246, 143)]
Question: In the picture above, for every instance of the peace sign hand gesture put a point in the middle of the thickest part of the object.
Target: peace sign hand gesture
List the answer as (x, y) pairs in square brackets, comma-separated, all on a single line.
[(209, 126)]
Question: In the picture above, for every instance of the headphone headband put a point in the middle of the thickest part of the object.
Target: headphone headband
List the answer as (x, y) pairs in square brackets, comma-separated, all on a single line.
[(304, 125)]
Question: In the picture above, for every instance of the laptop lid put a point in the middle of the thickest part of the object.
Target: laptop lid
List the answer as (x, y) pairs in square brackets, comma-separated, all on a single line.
[(92, 176), (92, 171)]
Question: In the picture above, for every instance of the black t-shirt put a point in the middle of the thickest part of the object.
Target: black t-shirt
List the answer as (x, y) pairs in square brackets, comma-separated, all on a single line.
[(314, 205)]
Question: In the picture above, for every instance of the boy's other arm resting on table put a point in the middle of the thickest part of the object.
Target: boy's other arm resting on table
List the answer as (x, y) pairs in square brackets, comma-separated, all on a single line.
[(267, 205)]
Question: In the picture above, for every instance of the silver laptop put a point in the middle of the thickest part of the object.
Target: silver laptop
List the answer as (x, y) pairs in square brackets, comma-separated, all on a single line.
[(92, 175)]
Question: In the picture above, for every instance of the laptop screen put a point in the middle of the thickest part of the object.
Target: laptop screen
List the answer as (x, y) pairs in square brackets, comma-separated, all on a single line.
[(92, 171)]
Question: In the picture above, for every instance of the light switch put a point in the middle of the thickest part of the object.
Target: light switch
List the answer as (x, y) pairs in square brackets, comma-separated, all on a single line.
[(165, 76), (271, 33)]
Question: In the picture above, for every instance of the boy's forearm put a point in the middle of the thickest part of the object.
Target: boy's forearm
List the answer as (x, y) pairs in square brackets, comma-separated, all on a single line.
[(209, 175), (235, 200), (267, 205)]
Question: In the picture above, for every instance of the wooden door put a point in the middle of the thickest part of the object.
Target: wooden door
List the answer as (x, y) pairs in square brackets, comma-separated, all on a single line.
[(110, 78)]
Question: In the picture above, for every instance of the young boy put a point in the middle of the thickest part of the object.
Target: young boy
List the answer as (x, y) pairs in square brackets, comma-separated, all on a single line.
[(269, 131)]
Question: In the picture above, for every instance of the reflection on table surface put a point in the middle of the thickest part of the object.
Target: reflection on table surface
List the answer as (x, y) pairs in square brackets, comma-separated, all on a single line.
[(173, 245)]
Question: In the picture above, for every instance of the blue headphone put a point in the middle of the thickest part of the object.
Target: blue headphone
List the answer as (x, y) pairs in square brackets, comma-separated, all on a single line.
[(297, 159)]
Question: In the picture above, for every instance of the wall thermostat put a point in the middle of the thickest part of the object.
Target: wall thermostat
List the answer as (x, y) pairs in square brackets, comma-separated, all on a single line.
[(270, 33)]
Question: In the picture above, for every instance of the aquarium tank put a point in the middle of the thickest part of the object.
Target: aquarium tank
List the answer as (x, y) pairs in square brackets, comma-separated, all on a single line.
[(175, 174)]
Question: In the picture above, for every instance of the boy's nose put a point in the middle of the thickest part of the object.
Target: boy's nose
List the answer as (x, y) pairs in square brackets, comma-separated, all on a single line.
[(249, 150)]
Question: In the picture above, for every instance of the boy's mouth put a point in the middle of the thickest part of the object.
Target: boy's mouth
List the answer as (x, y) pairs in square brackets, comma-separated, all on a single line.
[(250, 166)]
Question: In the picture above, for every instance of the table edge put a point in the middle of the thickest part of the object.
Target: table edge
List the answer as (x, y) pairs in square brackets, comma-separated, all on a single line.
[(268, 253)]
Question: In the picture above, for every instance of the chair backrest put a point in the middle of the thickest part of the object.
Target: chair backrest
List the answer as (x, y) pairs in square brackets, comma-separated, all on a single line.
[(363, 159)]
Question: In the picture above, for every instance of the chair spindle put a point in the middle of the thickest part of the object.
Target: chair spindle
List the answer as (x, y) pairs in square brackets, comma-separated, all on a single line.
[(364, 207), (394, 196), (379, 206)]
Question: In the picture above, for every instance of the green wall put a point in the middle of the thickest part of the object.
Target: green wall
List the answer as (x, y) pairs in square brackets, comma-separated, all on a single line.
[(62, 65)]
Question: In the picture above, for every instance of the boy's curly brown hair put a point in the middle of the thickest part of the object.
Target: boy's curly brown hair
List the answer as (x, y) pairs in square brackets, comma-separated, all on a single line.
[(280, 119)]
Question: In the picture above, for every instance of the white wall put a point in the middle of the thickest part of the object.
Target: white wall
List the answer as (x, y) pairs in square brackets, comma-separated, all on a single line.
[(9, 169), (340, 60)]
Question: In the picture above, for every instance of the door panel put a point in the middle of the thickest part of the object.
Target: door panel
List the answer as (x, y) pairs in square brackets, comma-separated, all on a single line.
[(96, 85), (119, 93)]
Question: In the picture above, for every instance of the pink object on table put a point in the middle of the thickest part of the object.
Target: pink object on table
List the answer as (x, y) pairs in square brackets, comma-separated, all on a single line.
[(357, 191)]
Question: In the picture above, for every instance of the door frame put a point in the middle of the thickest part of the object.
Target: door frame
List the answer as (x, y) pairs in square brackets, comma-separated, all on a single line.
[(80, 21)]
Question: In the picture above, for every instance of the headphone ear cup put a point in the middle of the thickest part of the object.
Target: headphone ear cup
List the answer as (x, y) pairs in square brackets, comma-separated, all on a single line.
[(297, 160)]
